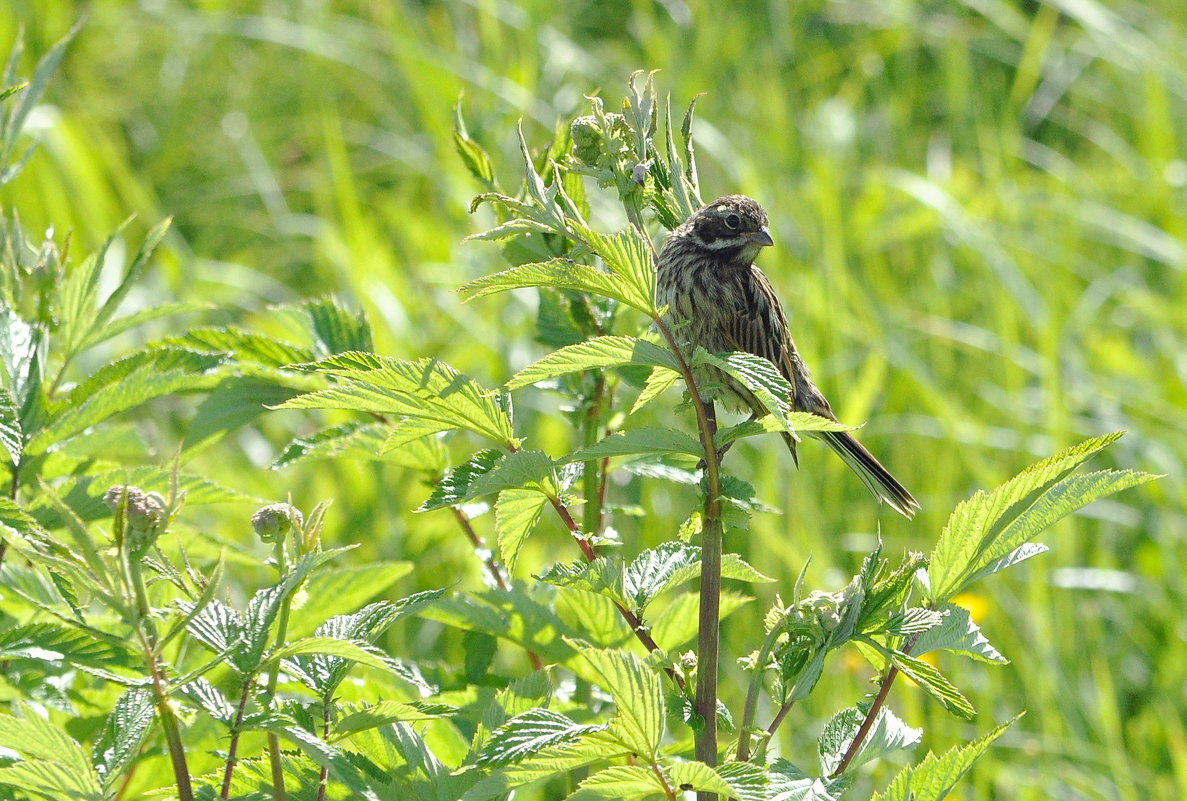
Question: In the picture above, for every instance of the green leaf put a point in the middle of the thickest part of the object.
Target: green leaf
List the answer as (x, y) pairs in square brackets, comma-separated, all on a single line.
[(54, 765), (342, 590), (558, 274), (596, 353), (685, 776), (348, 650), (657, 383), (490, 471), (958, 633), (636, 691), (233, 403), (932, 681), (620, 783), (337, 328), (245, 346), (123, 735), (789, 783), (636, 441), (888, 733), (934, 777), (385, 712), (124, 385), (516, 513), (759, 376), (410, 430), (528, 734), (472, 154), (986, 532), (593, 748), (11, 437), (627, 255), (426, 388)]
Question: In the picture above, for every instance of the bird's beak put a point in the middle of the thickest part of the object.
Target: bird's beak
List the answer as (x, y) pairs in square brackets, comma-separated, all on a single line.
[(761, 237)]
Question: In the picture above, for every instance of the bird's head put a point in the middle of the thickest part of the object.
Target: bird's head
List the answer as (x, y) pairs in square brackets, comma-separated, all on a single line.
[(733, 227)]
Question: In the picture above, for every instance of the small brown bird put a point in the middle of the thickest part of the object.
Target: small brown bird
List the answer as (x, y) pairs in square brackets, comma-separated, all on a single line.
[(718, 299)]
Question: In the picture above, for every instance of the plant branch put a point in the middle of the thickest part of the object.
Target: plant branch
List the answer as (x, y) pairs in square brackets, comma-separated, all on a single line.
[(708, 635), (278, 791), (325, 735), (872, 713), (229, 770), (752, 693)]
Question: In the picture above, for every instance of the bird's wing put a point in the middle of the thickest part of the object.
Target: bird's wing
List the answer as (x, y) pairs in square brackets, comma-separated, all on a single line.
[(760, 327)]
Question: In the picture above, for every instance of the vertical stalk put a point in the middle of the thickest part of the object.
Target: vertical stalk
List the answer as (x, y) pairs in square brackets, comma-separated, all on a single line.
[(148, 641), (273, 677), (324, 778), (708, 634)]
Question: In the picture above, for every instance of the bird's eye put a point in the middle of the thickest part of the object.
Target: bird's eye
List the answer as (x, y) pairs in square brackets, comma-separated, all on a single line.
[(732, 221)]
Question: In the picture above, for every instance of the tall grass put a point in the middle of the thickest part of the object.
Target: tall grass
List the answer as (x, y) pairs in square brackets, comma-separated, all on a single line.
[(981, 213)]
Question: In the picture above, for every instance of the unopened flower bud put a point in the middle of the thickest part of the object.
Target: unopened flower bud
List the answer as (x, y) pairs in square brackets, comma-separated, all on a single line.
[(144, 512), (273, 521), (587, 140)]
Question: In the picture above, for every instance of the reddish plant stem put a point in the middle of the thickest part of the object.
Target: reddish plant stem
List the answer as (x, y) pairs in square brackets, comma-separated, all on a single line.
[(778, 721), (868, 723), (229, 770)]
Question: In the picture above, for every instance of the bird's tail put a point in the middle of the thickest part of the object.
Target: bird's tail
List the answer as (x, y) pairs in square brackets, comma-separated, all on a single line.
[(884, 486)]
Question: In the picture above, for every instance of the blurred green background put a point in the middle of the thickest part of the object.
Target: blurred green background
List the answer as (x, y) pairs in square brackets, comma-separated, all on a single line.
[(981, 213)]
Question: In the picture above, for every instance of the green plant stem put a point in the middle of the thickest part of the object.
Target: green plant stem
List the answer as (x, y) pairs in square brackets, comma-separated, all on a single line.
[(148, 641), (752, 693), (181, 771), (708, 634), (324, 778), (277, 765), (233, 747)]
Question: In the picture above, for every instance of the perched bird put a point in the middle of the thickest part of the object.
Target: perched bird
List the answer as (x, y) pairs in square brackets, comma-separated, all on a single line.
[(718, 299)]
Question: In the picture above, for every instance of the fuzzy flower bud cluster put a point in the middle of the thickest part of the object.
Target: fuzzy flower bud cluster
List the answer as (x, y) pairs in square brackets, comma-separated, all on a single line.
[(272, 522), (144, 515)]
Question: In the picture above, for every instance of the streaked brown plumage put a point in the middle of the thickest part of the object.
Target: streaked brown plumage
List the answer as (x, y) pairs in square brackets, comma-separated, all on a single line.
[(718, 299)]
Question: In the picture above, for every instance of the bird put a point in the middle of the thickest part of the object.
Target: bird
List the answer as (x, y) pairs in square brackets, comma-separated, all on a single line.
[(718, 299)]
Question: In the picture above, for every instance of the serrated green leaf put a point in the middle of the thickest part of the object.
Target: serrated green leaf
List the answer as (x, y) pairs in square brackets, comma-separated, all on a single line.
[(124, 385), (658, 382), (596, 353), (426, 388), (518, 617), (934, 777), (454, 486), (686, 776), (341, 590), (233, 403), (528, 734), (789, 783), (759, 376), (990, 527), (53, 762), (383, 713), (516, 513), (637, 441), (338, 329), (356, 652), (594, 748), (50, 642), (490, 472), (932, 682), (558, 274), (957, 632), (637, 694), (889, 733), (11, 437), (411, 429), (471, 153), (245, 346), (620, 783), (123, 734)]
